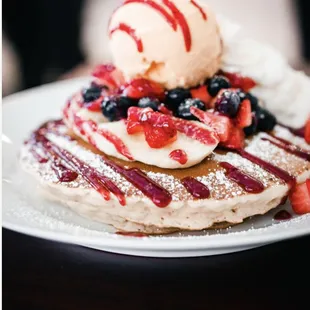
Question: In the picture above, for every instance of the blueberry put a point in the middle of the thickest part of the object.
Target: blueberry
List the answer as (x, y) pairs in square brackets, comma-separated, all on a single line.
[(175, 97), (242, 95), (252, 129), (228, 103), (147, 102), (266, 120), (115, 108), (216, 84), (254, 102), (92, 93), (184, 108)]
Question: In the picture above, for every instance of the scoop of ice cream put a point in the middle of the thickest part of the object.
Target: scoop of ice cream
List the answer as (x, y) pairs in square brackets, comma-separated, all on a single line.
[(175, 43)]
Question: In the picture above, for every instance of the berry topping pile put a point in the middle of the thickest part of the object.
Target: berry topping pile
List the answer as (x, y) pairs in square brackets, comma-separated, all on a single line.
[(222, 102)]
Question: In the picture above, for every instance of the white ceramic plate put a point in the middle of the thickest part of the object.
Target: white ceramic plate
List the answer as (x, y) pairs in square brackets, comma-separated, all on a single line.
[(26, 212)]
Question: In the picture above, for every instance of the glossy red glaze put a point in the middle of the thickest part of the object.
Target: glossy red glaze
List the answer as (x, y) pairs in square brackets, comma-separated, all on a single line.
[(201, 10), (278, 172), (196, 188), (160, 196), (179, 156), (248, 183), (289, 148), (131, 32)]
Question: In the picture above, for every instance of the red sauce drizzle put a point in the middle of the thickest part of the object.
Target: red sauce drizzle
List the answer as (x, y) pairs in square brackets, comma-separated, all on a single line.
[(171, 21), (203, 13), (300, 132), (131, 32), (195, 132), (160, 196), (278, 172), (179, 156), (63, 174), (98, 181), (282, 215), (181, 20), (116, 141), (248, 183), (196, 188), (289, 147), (174, 19)]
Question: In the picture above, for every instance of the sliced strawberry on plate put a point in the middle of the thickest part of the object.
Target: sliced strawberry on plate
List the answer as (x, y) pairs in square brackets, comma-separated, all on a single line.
[(222, 125), (202, 94), (140, 88), (307, 131), (235, 140), (300, 198), (244, 116)]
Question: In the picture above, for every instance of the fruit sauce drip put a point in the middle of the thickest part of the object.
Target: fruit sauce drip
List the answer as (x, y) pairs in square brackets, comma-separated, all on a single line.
[(131, 32), (160, 196), (174, 18), (282, 215), (248, 183), (289, 147), (299, 132), (179, 156), (195, 188), (278, 172), (109, 136)]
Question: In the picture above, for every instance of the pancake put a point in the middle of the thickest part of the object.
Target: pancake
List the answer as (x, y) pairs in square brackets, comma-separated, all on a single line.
[(229, 202)]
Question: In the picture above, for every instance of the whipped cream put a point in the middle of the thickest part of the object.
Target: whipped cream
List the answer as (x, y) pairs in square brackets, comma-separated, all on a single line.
[(136, 144), (284, 91)]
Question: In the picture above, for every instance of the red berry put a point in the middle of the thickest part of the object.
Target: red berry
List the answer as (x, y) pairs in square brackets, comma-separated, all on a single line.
[(244, 116), (133, 120), (307, 131), (140, 88), (236, 139), (238, 81), (158, 128), (202, 94), (108, 75), (300, 198), (222, 125)]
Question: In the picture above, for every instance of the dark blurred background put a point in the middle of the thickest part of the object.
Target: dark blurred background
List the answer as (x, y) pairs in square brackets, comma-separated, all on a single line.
[(42, 38)]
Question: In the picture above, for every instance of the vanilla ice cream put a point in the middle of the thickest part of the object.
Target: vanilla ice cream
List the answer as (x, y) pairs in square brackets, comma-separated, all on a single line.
[(175, 43)]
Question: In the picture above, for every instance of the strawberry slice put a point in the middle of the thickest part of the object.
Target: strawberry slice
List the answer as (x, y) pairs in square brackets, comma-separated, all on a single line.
[(307, 131), (300, 198), (133, 123), (158, 128), (238, 81), (235, 140), (244, 116), (222, 125), (202, 94), (140, 88), (108, 75)]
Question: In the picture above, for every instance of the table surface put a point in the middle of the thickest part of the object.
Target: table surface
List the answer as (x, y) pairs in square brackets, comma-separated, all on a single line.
[(40, 274)]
